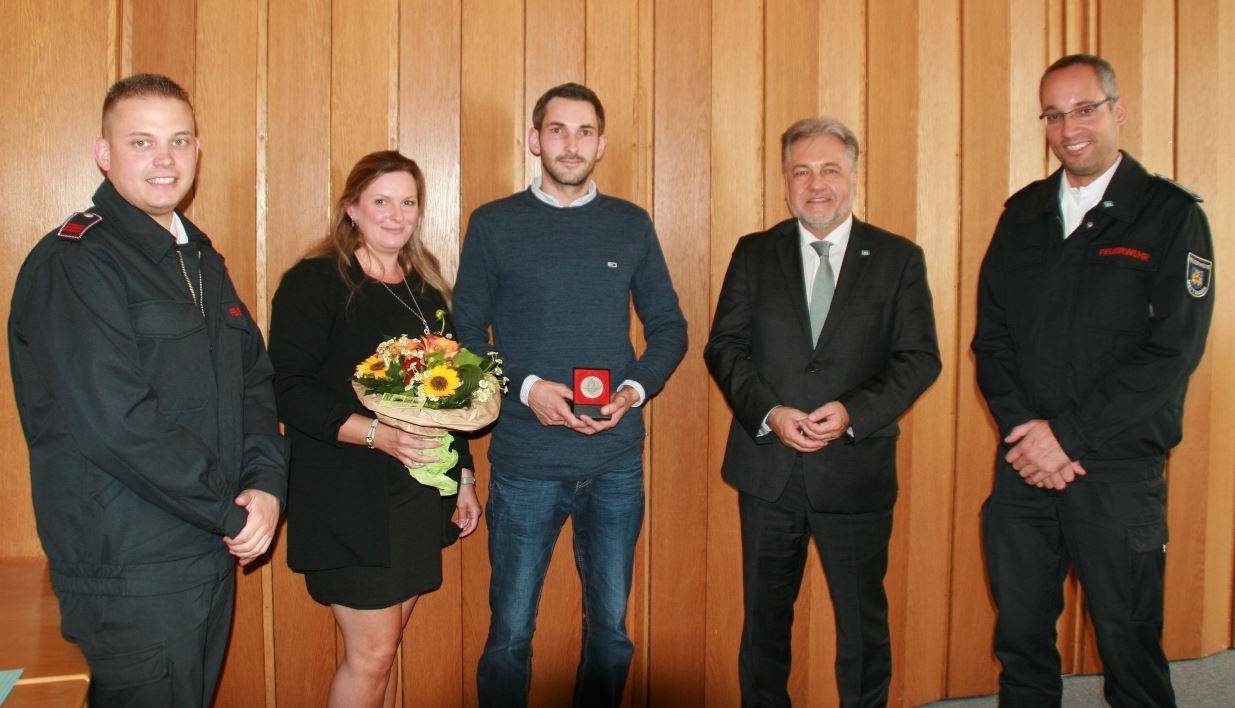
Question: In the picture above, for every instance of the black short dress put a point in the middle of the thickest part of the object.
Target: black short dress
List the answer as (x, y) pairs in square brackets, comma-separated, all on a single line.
[(363, 532)]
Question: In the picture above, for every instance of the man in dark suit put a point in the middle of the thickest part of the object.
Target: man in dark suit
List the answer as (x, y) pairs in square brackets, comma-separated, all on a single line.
[(823, 336)]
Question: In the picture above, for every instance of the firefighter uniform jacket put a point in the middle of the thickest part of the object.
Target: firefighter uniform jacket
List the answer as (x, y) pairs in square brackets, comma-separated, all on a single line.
[(1097, 333), (144, 418)]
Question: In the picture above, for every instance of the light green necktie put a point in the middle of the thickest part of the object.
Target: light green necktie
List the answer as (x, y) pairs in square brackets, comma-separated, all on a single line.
[(821, 289)]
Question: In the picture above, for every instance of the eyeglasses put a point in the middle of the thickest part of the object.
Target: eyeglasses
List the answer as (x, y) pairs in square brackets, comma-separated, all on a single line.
[(1085, 112)]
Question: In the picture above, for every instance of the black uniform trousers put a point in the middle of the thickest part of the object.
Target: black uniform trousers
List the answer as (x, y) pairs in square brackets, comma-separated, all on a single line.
[(1111, 527), (154, 650), (854, 552)]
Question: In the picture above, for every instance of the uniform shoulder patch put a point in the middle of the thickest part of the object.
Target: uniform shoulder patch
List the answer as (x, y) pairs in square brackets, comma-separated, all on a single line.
[(77, 225), (1200, 275), (1191, 194)]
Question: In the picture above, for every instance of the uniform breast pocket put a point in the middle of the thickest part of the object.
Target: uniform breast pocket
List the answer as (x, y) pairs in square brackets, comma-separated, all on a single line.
[(174, 349), (1117, 287), (166, 320)]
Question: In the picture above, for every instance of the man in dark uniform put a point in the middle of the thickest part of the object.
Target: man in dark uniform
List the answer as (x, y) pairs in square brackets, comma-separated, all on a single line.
[(145, 396), (1094, 302)]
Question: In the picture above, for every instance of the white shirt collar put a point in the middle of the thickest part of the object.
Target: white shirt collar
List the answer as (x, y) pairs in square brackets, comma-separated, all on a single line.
[(551, 201), (1075, 202), (178, 232), (1092, 191), (838, 237)]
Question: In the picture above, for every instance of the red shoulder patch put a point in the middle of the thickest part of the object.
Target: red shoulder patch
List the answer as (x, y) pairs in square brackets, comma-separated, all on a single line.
[(235, 312), (77, 225)]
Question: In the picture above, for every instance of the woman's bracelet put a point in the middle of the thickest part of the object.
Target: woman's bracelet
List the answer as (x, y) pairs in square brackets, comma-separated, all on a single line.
[(368, 437), (464, 479)]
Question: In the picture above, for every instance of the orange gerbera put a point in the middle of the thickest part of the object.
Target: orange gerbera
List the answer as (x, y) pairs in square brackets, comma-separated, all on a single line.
[(448, 347)]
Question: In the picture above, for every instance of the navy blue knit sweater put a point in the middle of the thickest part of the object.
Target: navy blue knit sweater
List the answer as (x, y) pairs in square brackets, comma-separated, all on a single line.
[(556, 286)]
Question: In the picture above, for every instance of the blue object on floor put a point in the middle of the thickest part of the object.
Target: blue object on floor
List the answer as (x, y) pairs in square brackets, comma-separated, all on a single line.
[(8, 679)]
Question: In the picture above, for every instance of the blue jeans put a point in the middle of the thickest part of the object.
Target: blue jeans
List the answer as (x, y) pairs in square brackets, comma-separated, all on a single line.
[(525, 517)]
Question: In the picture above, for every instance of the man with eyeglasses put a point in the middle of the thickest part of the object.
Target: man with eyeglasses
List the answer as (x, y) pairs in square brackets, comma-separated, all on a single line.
[(1094, 302)]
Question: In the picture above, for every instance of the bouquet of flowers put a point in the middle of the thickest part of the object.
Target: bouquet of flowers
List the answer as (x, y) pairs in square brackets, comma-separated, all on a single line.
[(430, 385)]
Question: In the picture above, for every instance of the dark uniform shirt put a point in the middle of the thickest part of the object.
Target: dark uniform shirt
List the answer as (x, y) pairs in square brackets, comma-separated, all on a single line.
[(144, 419), (1097, 333)]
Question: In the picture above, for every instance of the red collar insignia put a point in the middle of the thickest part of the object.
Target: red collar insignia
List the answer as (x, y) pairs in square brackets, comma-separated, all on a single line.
[(235, 311)]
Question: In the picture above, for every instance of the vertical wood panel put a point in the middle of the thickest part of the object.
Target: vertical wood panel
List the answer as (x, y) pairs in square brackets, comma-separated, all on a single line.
[(491, 165), (553, 35), (1199, 514), (842, 74), (1219, 613), (50, 174), (434, 673), (429, 117), (985, 107), (298, 204), (154, 46), (681, 192), (891, 181), (737, 197), (930, 490), (360, 88)]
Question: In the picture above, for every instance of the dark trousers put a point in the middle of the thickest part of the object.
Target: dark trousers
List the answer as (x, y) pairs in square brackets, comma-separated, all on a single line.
[(157, 650), (854, 551), (1111, 527)]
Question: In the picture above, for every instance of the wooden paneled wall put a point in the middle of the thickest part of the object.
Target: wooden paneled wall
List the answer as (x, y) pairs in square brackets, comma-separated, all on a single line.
[(942, 94)]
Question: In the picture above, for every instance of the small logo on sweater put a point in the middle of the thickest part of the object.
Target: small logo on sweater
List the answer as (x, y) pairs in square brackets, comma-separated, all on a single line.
[(612, 264)]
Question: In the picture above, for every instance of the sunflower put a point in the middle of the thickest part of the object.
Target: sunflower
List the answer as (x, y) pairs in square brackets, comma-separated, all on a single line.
[(373, 367), (441, 382)]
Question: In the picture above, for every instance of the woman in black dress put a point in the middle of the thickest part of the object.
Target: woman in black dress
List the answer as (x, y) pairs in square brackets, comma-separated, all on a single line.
[(366, 535)]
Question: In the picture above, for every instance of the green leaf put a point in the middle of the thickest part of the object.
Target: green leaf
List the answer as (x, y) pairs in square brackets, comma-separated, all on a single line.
[(467, 358)]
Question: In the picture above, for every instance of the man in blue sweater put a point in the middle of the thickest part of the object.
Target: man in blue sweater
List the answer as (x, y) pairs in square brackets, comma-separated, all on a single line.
[(553, 270)]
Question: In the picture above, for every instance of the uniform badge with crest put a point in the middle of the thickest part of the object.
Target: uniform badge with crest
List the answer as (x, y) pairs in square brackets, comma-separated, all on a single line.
[(1200, 274)]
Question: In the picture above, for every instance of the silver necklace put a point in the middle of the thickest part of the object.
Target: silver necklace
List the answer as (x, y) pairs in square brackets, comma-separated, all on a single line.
[(417, 311)]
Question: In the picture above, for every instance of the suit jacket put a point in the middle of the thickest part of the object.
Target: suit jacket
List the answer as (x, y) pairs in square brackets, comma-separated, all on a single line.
[(876, 354)]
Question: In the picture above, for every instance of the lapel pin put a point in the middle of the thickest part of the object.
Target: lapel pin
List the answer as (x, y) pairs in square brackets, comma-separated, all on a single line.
[(864, 252), (1108, 204)]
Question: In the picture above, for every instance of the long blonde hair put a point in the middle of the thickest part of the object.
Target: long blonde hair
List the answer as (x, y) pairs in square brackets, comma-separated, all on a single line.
[(344, 237)]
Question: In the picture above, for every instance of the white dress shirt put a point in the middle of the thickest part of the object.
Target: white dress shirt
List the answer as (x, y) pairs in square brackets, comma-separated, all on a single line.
[(839, 238), (526, 389), (178, 232), (1075, 202)]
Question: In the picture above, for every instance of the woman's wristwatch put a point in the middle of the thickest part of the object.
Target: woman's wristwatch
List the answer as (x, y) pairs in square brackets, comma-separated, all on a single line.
[(466, 479)]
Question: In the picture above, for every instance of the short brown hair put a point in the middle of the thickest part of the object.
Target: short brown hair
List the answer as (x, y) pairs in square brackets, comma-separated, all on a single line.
[(573, 92), (1101, 67), (142, 85)]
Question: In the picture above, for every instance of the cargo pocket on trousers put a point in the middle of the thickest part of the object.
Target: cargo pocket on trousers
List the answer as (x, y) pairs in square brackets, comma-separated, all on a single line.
[(138, 678), (1147, 546)]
